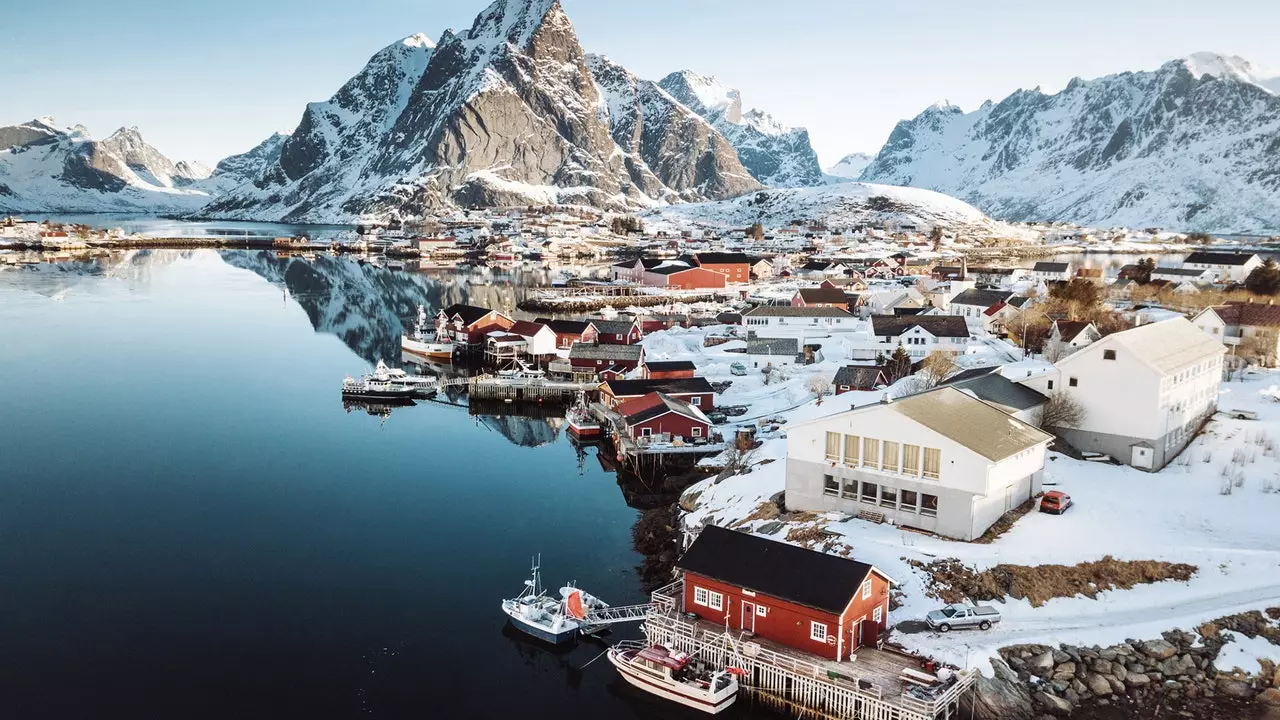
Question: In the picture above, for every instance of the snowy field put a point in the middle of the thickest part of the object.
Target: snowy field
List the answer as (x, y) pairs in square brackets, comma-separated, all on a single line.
[(1181, 514)]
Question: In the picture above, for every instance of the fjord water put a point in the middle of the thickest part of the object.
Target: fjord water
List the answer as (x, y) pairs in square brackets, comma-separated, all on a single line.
[(192, 526)]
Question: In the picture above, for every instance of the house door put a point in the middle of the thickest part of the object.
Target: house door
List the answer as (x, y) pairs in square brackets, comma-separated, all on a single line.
[(1008, 498), (748, 620)]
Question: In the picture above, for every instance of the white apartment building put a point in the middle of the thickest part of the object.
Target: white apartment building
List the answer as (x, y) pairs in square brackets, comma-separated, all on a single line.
[(1224, 267), (774, 320), (920, 335), (941, 461), (1145, 392)]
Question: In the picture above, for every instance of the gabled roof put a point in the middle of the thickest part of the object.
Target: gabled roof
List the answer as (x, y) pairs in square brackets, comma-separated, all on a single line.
[(1000, 391), (657, 404), (1053, 267), (1069, 329), (776, 569), (668, 386), (952, 326), (669, 365), (820, 266), (1249, 314), (566, 327), (822, 295), (861, 376), (1179, 272), (1217, 258), (991, 311), (1018, 302), (981, 298), (970, 422), (468, 313), (788, 311), (721, 258), (1165, 346), (526, 328), (615, 327), (623, 353), (673, 269), (773, 346)]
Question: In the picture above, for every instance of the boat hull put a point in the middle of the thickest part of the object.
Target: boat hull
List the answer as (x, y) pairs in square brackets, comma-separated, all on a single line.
[(543, 634), (434, 350), (687, 697), (584, 430)]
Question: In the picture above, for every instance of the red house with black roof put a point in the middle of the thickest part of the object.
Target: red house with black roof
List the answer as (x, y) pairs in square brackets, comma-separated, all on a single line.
[(661, 416), (570, 332), (694, 390), (668, 369), (469, 324), (808, 600)]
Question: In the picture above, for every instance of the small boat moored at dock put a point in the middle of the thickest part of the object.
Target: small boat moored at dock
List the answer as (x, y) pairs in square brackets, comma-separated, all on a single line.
[(553, 620), (371, 388), (674, 676), (425, 340)]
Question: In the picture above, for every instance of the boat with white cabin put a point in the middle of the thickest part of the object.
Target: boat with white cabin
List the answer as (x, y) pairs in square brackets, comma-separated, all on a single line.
[(674, 676), (371, 388), (425, 340), (550, 619), (420, 384)]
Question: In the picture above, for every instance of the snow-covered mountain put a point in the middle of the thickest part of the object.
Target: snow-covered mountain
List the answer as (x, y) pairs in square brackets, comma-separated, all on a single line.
[(849, 168), (776, 155), (506, 112), (847, 205), (1193, 145), (45, 167), (235, 170)]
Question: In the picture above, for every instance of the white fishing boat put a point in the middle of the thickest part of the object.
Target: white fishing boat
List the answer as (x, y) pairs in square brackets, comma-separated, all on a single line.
[(553, 620), (370, 388), (425, 340), (674, 676), (420, 384), (582, 423)]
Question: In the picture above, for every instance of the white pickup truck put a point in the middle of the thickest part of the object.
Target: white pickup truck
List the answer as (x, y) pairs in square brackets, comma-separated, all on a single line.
[(962, 616)]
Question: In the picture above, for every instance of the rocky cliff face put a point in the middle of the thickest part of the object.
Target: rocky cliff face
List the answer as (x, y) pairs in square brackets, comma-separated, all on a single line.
[(45, 167), (236, 170), (672, 142), (506, 112), (774, 154), (1191, 146)]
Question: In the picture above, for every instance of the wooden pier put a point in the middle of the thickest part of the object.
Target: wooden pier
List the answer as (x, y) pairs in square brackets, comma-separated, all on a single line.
[(488, 387), (873, 685)]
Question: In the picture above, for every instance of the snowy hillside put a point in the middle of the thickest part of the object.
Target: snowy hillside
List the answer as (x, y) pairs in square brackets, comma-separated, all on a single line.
[(45, 167), (1190, 146), (505, 113), (849, 168), (776, 155), (841, 206)]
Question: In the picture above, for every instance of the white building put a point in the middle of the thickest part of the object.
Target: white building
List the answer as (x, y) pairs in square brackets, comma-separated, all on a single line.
[(920, 335), (972, 305), (1224, 267), (769, 320), (1234, 323), (941, 461), (1144, 392), (1184, 274), (1050, 271), (1068, 336)]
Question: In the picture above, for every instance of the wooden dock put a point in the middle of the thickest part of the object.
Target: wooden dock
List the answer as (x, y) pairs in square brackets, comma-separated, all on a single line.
[(489, 387), (871, 686)]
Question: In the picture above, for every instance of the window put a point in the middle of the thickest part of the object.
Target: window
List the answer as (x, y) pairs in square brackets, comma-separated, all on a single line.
[(646, 432), (1073, 382), (851, 443), (870, 452), (932, 462), (830, 486), (869, 492), (888, 496), (696, 401), (761, 611), (929, 505), (700, 596), (876, 614), (890, 463), (908, 501), (866, 588), (833, 447), (911, 459), (817, 631), (1050, 383), (697, 432), (1108, 354)]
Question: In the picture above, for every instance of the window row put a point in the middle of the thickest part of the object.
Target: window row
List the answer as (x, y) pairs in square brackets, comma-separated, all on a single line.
[(708, 598), (881, 495), (887, 455)]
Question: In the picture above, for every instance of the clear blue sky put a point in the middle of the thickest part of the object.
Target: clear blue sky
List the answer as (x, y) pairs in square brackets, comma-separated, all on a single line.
[(206, 79)]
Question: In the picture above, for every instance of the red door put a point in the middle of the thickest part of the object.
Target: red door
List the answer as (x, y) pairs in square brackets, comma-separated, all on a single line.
[(748, 620)]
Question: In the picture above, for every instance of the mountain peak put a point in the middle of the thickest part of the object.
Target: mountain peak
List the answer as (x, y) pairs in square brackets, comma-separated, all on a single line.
[(418, 40), (515, 21), (1230, 67)]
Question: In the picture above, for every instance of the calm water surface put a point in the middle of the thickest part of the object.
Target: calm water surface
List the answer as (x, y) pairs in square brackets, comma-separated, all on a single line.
[(192, 526)]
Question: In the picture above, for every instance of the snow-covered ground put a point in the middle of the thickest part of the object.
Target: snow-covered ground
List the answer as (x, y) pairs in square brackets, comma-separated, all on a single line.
[(1178, 515)]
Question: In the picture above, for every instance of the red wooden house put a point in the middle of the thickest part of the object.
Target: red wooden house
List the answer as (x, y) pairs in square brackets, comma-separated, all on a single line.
[(468, 325), (617, 332), (736, 267), (808, 600), (587, 357), (668, 370), (570, 332), (694, 390), (661, 416), (860, 378), (820, 297), (675, 274)]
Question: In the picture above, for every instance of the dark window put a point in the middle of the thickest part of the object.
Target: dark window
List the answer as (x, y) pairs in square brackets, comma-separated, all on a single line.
[(1072, 382), (1108, 354), (830, 485), (1050, 384)]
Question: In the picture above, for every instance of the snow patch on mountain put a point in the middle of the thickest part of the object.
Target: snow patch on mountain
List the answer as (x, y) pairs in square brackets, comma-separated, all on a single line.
[(1167, 148), (1232, 67), (849, 168)]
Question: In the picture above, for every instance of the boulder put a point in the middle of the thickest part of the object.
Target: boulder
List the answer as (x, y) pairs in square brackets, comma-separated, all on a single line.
[(1079, 688), (1270, 696), (1066, 668), (1237, 689), (1097, 684), (1117, 687), (1060, 657), (1041, 664), (1136, 680), (1001, 696), (1275, 680), (1119, 671), (1054, 704), (1158, 649), (1102, 666)]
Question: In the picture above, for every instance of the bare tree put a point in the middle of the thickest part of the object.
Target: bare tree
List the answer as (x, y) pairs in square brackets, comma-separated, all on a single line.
[(937, 367), (1260, 347), (1061, 411), (820, 386)]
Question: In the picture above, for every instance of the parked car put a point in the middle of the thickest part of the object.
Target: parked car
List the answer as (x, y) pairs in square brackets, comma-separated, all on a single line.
[(962, 616), (1055, 502), (738, 369)]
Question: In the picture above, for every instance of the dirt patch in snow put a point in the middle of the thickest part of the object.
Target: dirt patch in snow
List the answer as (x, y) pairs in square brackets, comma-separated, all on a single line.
[(952, 581), (1006, 522), (763, 511)]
